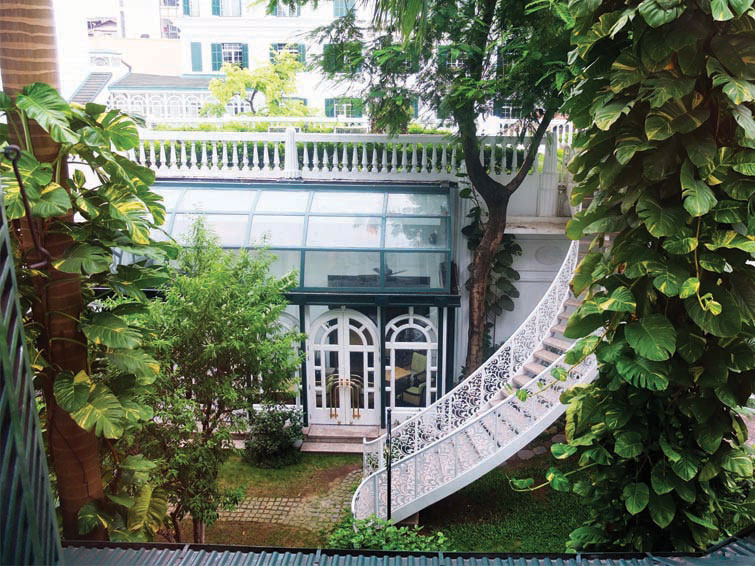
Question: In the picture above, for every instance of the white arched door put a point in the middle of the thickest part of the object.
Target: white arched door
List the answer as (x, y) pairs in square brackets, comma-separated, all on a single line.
[(342, 356)]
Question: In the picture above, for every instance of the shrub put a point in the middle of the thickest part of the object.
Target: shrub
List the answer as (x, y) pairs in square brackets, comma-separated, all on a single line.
[(378, 534), (273, 430)]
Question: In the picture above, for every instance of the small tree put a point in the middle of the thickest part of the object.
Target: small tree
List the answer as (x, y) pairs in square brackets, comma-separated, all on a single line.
[(217, 333), (275, 81)]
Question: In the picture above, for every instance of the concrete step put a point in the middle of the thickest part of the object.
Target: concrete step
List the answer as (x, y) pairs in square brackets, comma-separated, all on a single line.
[(331, 447), (521, 380), (534, 368), (546, 356), (557, 344), (564, 315), (559, 329)]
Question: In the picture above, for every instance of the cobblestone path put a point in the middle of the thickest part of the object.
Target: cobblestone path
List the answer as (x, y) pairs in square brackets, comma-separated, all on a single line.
[(316, 512)]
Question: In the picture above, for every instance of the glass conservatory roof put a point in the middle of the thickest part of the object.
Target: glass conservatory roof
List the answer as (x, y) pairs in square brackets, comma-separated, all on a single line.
[(345, 237)]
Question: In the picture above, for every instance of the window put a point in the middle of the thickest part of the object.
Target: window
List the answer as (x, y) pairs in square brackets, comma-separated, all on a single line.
[(230, 8), (505, 109), (342, 7), (191, 7), (287, 11), (230, 53), (342, 57), (296, 49), (169, 3), (343, 107), (169, 30)]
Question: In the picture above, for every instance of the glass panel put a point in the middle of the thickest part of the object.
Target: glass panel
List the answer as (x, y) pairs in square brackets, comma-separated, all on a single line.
[(277, 230), (343, 232), (410, 378), (285, 262), (230, 228), (342, 269), (170, 197), (407, 203), (219, 200), (355, 203), (282, 201), (416, 233), (418, 270)]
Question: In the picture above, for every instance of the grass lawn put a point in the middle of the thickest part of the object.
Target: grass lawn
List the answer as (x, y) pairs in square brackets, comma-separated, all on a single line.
[(488, 516), (310, 476)]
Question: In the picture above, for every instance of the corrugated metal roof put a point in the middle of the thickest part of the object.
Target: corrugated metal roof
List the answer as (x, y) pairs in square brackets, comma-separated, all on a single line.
[(91, 87), (733, 552), (145, 81)]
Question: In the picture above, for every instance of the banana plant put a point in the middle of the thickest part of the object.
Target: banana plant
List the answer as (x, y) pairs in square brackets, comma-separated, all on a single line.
[(72, 211)]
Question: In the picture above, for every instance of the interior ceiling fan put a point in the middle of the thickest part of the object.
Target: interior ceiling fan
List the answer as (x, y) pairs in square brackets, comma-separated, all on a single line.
[(389, 271)]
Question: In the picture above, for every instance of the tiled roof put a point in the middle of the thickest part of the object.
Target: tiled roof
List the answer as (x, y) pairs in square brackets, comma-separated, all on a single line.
[(733, 552), (145, 81)]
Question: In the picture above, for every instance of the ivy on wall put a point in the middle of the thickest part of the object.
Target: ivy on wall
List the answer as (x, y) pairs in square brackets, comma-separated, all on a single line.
[(663, 91)]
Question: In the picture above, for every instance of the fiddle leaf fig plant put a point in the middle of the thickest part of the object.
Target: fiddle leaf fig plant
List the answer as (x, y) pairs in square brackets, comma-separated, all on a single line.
[(89, 204), (663, 93)]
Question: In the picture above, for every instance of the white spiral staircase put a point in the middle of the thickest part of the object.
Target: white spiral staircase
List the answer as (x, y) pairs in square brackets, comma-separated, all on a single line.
[(481, 423)]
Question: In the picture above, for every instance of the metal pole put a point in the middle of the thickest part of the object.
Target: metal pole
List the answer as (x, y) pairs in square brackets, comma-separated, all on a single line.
[(389, 456)]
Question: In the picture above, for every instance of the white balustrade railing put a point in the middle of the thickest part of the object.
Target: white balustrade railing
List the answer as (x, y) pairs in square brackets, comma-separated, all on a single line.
[(463, 403), (296, 155), (471, 449)]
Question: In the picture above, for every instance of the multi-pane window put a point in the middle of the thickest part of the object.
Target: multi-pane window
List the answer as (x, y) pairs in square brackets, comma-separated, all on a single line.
[(344, 107), (296, 49), (232, 53), (190, 7), (286, 11), (342, 7), (226, 8)]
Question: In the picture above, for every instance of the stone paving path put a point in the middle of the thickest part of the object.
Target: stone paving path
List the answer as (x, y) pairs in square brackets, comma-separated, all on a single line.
[(323, 511)]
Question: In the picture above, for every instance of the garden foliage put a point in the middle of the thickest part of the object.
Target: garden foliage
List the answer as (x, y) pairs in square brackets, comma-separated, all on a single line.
[(663, 93), (378, 534), (273, 432), (217, 333)]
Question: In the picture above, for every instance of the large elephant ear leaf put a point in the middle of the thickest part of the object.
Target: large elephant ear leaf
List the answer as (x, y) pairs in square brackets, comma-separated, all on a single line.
[(149, 509), (111, 331), (102, 412), (120, 130), (86, 258), (42, 103), (652, 337), (72, 391), (91, 516)]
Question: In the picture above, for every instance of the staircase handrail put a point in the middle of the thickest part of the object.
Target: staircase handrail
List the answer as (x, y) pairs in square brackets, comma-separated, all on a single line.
[(465, 400), (368, 492)]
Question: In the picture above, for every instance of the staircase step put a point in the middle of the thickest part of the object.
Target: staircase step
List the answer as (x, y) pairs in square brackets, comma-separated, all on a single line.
[(534, 368), (559, 329), (572, 302), (557, 344), (564, 315), (547, 356), (521, 380), (332, 447)]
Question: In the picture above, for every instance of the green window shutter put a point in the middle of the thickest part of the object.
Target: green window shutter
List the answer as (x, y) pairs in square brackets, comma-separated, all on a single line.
[(356, 108), (196, 57), (302, 53), (329, 58), (330, 107), (244, 56), (187, 7), (443, 57), (415, 106), (217, 56), (215, 7)]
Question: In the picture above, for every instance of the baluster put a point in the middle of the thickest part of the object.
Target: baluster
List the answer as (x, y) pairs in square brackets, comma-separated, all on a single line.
[(244, 155), (424, 161), (454, 170), (234, 156), (394, 159), (434, 159), (354, 158), (306, 158), (224, 161), (276, 156), (315, 158), (364, 158), (403, 157), (383, 162), (202, 156), (325, 160), (443, 159), (414, 158), (514, 158), (255, 157), (184, 164), (265, 157), (173, 164), (375, 163), (215, 160), (142, 155), (336, 161), (482, 154), (345, 158), (493, 158)]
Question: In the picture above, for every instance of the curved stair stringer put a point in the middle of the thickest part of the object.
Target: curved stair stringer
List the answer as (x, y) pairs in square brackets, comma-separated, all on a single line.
[(470, 452), (490, 382)]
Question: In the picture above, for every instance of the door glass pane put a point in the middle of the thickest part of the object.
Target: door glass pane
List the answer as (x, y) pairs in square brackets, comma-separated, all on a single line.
[(277, 230), (230, 228), (219, 201), (282, 201), (344, 232), (285, 262), (407, 203), (415, 270), (416, 233), (342, 269), (411, 378), (355, 203)]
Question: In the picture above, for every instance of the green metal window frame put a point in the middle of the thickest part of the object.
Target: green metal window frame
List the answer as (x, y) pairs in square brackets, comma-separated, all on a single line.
[(302, 248), (301, 50), (196, 57)]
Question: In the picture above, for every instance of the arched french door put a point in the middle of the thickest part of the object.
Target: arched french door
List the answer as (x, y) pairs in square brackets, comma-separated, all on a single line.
[(342, 358)]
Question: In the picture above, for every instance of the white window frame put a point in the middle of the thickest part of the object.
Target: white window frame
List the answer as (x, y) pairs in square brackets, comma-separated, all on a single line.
[(230, 8), (286, 11), (230, 52)]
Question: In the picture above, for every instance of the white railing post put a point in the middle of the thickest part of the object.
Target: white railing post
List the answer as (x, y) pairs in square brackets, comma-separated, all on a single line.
[(547, 193), (291, 158)]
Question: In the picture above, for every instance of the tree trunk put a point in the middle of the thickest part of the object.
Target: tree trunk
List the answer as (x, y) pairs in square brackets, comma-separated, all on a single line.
[(28, 55), (199, 531), (479, 276)]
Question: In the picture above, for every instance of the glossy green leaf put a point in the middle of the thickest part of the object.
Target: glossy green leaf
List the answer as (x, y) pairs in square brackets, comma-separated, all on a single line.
[(133, 361), (562, 451), (730, 212), (731, 240), (102, 412), (660, 12), (659, 220), (138, 463), (662, 509), (685, 467), (689, 287), (643, 373), (728, 323), (149, 509), (698, 198), (72, 391), (84, 258), (652, 337), (557, 480), (636, 496), (111, 331), (660, 479), (737, 462), (628, 444), (42, 103), (91, 517), (54, 201), (720, 10)]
